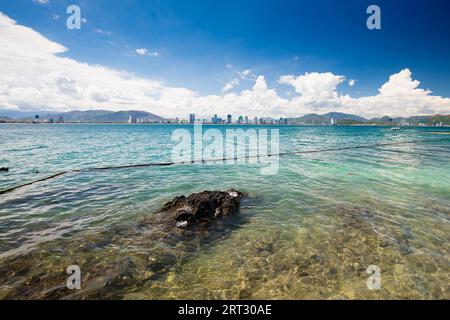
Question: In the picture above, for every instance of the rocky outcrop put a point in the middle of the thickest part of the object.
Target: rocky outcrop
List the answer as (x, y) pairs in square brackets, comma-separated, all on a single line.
[(200, 208), (123, 257), (4, 169)]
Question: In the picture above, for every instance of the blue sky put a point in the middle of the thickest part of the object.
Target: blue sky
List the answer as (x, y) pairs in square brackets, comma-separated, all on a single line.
[(202, 45)]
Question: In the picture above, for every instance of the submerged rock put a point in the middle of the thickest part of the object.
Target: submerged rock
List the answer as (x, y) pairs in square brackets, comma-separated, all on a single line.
[(198, 208), (155, 247), (4, 169)]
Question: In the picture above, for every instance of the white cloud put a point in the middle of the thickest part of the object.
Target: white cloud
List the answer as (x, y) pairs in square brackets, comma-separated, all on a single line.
[(142, 52), (400, 95), (246, 74), (41, 1), (260, 100), (238, 76), (351, 82), (230, 85), (145, 52), (401, 84), (35, 76), (315, 89), (101, 31)]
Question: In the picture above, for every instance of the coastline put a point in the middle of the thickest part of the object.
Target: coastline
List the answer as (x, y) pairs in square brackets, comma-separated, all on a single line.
[(233, 124)]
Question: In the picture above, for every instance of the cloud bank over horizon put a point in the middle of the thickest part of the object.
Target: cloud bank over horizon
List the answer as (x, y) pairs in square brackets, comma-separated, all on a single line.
[(35, 77)]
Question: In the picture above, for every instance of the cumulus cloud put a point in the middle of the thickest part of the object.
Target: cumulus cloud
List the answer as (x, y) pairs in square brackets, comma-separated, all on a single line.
[(401, 84), (35, 75), (321, 86), (400, 95), (260, 101), (351, 82)]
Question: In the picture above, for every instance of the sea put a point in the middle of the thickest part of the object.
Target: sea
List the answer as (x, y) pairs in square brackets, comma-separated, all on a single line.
[(351, 212)]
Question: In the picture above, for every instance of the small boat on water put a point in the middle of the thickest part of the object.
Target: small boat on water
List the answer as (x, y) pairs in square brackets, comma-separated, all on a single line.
[(395, 128)]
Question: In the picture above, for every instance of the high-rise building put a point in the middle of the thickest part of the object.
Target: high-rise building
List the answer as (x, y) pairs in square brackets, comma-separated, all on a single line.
[(283, 121), (192, 118), (229, 118), (131, 119), (255, 120), (246, 120)]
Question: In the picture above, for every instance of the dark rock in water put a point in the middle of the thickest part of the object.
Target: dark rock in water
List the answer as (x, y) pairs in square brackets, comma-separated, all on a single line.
[(200, 208), (204, 206), (4, 169), (157, 245)]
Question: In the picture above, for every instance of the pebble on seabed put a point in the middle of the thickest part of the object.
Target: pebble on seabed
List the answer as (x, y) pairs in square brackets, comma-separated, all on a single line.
[(182, 224)]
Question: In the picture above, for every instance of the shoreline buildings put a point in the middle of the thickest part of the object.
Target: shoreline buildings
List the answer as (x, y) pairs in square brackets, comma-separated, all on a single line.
[(241, 120)]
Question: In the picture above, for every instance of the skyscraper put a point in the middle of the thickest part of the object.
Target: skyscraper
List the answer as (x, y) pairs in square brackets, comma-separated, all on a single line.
[(192, 118), (229, 118)]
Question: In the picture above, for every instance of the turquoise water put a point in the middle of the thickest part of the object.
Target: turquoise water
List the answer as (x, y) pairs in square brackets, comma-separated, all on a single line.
[(310, 231)]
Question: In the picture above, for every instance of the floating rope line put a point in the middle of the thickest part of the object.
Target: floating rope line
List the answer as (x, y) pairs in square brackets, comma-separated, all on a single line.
[(161, 164)]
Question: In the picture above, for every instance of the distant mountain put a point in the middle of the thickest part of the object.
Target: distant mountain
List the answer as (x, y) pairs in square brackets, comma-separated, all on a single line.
[(5, 119), (92, 116), (338, 117), (438, 119), (15, 114), (347, 119), (344, 116), (415, 120), (384, 119)]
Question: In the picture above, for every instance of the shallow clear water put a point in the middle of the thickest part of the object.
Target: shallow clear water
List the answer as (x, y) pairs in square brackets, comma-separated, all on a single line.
[(310, 231)]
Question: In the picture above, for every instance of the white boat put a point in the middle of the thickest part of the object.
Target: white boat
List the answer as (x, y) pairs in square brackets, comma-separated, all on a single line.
[(395, 128)]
